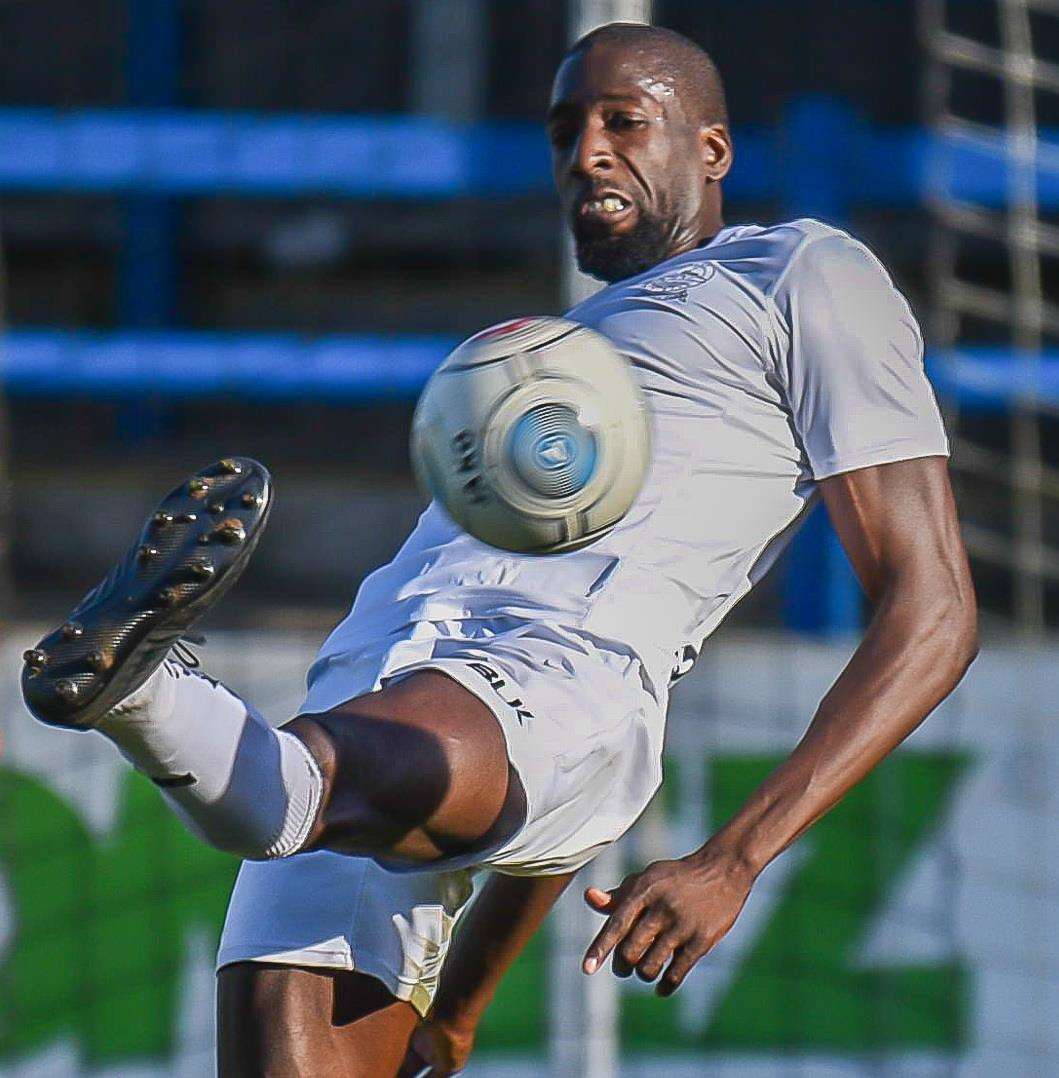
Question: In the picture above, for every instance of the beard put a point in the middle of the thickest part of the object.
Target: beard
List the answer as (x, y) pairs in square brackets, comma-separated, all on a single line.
[(610, 258)]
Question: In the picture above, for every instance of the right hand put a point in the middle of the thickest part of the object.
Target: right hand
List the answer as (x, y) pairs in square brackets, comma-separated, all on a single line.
[(441, 1046)]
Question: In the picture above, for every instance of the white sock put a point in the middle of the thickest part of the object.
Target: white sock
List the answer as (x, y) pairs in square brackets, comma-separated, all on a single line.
[(235, 782)]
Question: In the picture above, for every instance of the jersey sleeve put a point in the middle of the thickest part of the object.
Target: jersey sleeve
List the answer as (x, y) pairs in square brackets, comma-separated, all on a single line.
[(853, 371)]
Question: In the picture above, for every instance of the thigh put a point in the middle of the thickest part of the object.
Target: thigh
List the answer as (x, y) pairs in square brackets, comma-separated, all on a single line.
[(417, 771), (288, 1022)]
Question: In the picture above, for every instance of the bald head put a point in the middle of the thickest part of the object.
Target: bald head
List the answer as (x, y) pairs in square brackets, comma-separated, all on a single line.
[(676, 62), (640, 146)]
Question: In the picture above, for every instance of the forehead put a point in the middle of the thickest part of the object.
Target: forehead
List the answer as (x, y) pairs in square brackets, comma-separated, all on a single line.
[(604, 72)]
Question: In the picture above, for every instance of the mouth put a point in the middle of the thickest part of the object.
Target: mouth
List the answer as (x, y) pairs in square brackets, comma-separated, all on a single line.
[(605, 208)]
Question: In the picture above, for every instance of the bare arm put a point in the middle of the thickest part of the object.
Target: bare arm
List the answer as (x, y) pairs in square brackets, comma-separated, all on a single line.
[(491, 936), (898, 524)]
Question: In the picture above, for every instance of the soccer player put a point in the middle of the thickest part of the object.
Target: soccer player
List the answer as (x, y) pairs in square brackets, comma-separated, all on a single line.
[(479, 709)]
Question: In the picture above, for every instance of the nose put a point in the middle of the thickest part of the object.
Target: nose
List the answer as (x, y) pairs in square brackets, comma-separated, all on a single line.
[(591, 152)]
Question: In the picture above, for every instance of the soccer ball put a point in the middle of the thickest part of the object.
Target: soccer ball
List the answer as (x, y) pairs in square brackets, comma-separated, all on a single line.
[(533, 435)]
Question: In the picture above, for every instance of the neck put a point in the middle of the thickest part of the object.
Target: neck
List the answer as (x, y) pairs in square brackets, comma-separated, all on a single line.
[(710, 223), (700, 238)]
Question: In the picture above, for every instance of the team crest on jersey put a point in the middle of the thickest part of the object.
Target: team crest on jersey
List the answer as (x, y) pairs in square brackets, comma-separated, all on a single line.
[(679, 283)]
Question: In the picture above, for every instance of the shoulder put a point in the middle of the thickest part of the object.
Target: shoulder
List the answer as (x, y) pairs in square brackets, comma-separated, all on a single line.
[(825, 259), (839, 306), (774, 257), (764, 265)]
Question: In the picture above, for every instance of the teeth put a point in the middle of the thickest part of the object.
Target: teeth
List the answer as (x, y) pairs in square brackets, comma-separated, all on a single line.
[(609, 204)]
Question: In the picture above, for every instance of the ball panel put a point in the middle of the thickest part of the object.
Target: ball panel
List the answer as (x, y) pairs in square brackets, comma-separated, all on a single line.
[(519, 336)]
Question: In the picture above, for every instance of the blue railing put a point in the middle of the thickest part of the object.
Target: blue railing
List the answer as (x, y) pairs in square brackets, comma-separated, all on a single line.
[(173, 153), (186, 365), (181, 153)]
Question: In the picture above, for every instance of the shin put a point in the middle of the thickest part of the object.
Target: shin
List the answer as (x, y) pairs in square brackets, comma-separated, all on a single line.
[(236, 783)]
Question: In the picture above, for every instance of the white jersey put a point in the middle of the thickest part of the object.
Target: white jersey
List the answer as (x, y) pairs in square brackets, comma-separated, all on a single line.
[(770, 358)]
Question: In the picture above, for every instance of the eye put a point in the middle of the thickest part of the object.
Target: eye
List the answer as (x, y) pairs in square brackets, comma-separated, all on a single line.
[(623, 121), (560, 135)]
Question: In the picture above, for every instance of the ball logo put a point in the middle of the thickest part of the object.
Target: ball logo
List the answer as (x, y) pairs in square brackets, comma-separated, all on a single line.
[(555, 451)]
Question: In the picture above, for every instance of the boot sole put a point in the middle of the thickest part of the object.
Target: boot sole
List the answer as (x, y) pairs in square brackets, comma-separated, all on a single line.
[(188, 554)]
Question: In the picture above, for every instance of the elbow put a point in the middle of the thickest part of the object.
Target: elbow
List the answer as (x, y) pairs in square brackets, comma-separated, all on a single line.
[(968, 652), (972, 643), (946, 634), (959, 627)]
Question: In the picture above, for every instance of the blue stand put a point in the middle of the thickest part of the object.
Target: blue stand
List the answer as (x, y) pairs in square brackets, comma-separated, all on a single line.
[(148, 289)]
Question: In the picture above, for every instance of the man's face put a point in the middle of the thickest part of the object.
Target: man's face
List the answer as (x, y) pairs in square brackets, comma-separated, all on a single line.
[(629, 164)]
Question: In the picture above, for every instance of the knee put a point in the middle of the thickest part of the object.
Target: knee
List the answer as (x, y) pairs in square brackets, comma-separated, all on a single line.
[(390, 776), (440, 788), (394, 771)]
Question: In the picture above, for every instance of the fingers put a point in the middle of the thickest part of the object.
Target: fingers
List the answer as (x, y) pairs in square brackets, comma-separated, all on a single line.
[(684, 958), (636, 943), (658, 954), (623, 914)]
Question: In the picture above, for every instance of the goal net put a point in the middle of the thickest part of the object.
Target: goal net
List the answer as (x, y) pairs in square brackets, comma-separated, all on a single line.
[(991, 96)]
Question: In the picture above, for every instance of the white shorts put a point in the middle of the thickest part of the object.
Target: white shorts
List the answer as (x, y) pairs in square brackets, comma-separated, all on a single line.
[(585, 737)]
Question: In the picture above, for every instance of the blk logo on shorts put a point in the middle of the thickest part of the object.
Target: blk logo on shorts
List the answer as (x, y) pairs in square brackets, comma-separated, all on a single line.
[(498, 684)]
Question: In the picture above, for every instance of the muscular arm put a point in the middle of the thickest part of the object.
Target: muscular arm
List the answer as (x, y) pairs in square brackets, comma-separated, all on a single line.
[(491, 936), (898, 524)]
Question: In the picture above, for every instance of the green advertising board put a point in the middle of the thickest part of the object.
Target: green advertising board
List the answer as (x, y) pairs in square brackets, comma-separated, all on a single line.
[(100, 930), (865, 942)]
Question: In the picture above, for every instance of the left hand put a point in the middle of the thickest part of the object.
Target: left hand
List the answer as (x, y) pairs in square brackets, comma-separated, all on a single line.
[(673, 912)]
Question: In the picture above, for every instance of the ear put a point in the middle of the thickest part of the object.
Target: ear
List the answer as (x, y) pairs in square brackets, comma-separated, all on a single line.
[(717, 153)]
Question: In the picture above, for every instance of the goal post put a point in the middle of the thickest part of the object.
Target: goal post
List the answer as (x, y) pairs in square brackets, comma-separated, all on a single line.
[(583, 1011)]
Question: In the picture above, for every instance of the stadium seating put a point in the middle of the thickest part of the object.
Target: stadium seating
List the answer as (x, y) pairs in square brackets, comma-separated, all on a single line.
[(167, 153)]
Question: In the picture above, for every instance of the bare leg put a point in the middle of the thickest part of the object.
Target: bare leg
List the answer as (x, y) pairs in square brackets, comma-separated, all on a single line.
[(417, 771), (289, 1022)]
